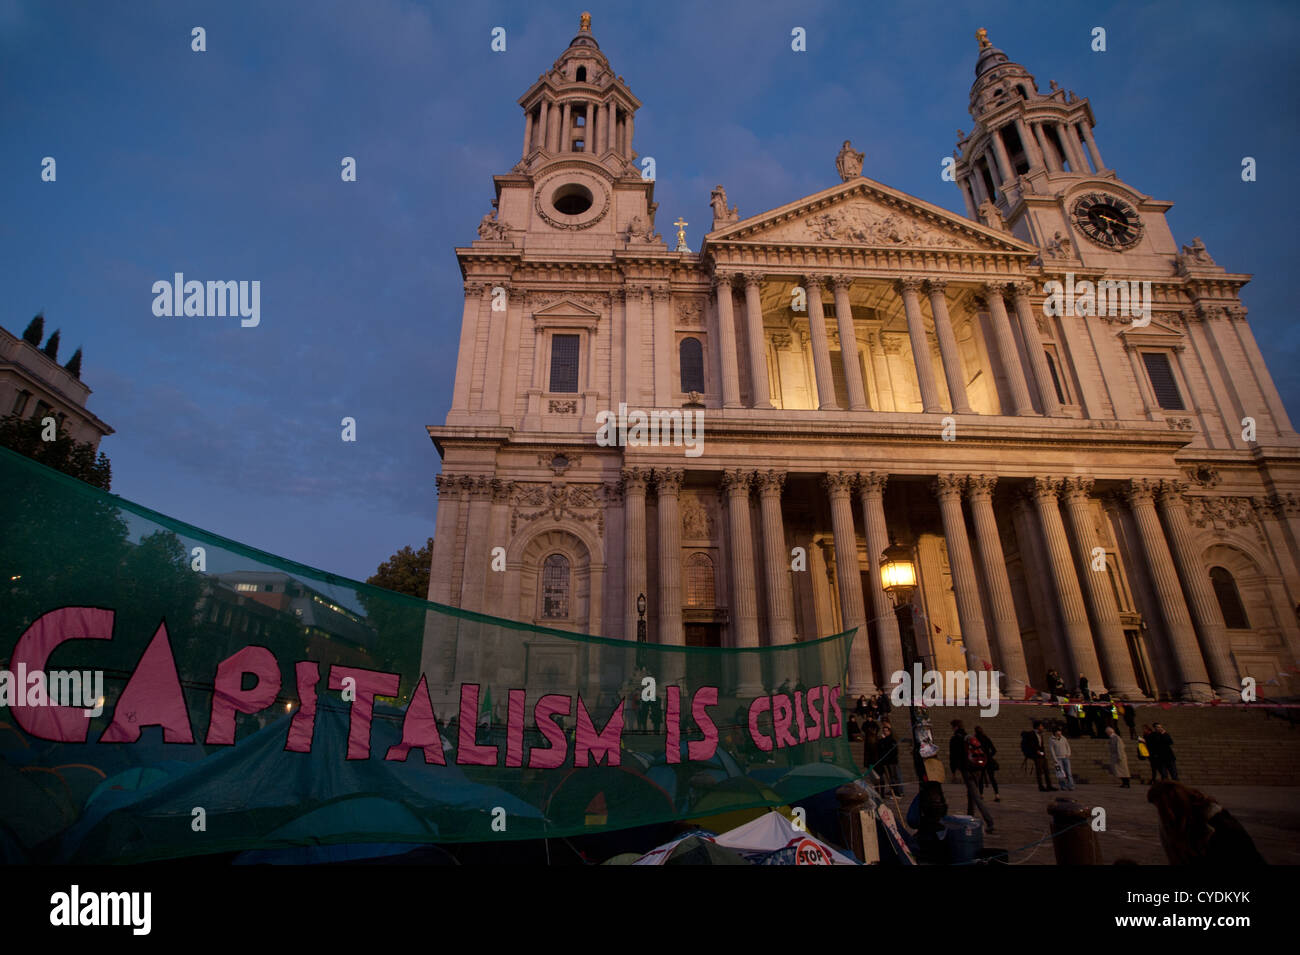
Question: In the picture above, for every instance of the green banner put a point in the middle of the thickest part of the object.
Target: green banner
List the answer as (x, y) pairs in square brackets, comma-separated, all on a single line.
[(165, 692)]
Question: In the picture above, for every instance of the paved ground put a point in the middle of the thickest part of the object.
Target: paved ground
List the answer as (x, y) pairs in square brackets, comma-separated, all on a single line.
[(1271, 814)]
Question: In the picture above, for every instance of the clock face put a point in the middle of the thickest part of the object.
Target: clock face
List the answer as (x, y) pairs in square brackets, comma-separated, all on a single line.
[(1107, 221)]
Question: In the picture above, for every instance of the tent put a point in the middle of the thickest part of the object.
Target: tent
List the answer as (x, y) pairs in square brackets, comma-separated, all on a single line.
[(773, 840)]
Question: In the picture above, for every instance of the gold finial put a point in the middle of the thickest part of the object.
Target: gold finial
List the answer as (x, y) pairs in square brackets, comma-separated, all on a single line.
[(681, 234), (983, 36), (585, 23)]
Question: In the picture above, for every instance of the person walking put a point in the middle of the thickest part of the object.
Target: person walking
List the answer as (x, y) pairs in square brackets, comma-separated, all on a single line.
[(1060, 750), (991, 767), (871, 751), (1034, 749), (966, 758), (887, 759), (1130, 718), (1118, 758), (1045, 754), (1161, 745)]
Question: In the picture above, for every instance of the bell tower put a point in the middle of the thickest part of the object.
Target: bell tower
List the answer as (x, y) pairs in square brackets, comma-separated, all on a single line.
[(577, 182)]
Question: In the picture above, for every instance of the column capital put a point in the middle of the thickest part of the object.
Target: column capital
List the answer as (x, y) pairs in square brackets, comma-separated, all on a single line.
[(634, 479), (936, 286), (949, 486), (980, 486), (661, 293), (1141, 491), (839, 483), (448, 485), (1044, 488), (872, 484), (669, 480), (988, 288), (721, 279), (501, 490), (480, 488), (907, 284), (737, 481), (617, 295), (841, 283), (1076, 487), (814, 280), (753, 279), (1022, 290), (769, 482), (1170, 493)]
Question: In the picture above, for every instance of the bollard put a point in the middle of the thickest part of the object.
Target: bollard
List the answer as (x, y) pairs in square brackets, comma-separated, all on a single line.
[(1073, 839)]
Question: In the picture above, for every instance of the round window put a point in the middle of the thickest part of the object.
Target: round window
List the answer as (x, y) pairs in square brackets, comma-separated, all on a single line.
[(572, 199)]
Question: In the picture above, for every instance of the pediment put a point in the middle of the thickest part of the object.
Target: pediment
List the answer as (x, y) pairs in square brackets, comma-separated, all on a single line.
[(863, 213), (565, 308)]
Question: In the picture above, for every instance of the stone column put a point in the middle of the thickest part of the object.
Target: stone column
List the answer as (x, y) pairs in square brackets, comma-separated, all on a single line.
[(736, 485), (952, 369), (885, 400), (664, 386), (727, 341), (821, 348), (757, 345), (999, 147), (1032, 152), (948, 488), (1196, 681), (566, 128), (849, 344), (1074, 617), (1049, 152), (634, 545), (920, 347), (1092, 147), (1007, 354), (478, 299), (476, 545), (871, 495), (632, 347), (1201, 600), (1116, 665), (627, 136), (776, 559), (839, 486), (1073, 147), (1034, 349), (444, 538), (967, 195), (1010, 653), (528, 131), (668, 482), (606, 130)]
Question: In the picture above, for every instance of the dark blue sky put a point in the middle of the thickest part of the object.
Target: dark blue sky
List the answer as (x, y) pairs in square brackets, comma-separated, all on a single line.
[(225, 165)]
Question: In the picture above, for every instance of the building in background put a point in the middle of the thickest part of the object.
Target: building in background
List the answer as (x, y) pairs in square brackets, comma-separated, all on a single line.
[(33, 385), (1114, 494)]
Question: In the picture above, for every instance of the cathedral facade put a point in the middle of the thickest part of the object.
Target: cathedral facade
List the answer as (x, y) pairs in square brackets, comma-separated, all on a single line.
[(1062, 413)]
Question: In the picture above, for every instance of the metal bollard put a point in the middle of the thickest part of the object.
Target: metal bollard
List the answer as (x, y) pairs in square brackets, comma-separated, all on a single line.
[(1073, 839)]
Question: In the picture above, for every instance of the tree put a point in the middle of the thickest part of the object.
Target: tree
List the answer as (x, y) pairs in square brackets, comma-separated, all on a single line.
[(74, 365), (399, 623), (407, 571), (76, 458), (51, 349), (35, 330)]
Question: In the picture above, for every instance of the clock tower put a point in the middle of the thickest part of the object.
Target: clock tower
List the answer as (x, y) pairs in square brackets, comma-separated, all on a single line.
[(1032, 166)]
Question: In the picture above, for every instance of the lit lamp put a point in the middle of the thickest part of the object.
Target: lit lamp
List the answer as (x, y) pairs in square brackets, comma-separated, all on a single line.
[(898, 579)]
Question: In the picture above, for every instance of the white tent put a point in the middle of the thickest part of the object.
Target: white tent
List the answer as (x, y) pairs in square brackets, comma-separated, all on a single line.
[(773, 840)]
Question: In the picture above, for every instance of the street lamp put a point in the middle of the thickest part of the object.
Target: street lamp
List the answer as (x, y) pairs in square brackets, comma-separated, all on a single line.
[(898, 579), (641, 638)]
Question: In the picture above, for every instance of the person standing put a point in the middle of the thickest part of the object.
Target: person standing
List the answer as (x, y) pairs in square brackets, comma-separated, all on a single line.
[(1130, 718), (1161, 745), (887, 759), (871, 752), (1118, 758), (991, 766), (1083, 688), (966, 758), (1034, 748), (1059, 747)]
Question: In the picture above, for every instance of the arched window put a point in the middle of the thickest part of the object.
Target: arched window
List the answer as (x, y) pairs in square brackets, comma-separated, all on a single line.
[(699, 581), (582, 74), (1225, 589), (691, 355), (555, 587)]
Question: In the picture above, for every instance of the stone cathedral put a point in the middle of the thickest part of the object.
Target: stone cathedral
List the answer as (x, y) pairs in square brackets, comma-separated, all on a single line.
[(1082, 488)]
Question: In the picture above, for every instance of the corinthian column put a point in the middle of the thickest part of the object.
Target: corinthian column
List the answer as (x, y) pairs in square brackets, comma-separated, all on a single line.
[(1202, 602), (444, 539), (920, 347), (820, 344), (952, 369), (1007, 355), (849, 344), (476, 545), (744, 593), (848, 574), (727, 341), (668, 482), (1074, 617), (1196, 681), (776, 559), (1034, 348), (634, 556), (1116, 665), (871, 495), (1006, 630), (754, 333), (948, 488)]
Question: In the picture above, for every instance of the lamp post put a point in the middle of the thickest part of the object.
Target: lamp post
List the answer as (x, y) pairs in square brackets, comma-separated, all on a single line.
[(898, 579), (641, 638)]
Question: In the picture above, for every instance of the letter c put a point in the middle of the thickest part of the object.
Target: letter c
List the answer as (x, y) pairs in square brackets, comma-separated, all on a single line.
[(755, 709)]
